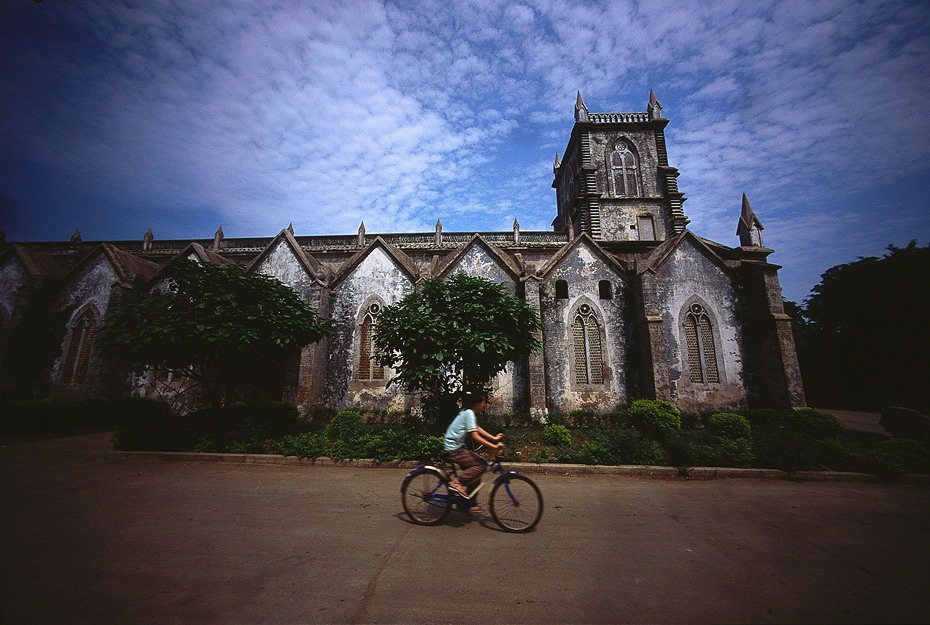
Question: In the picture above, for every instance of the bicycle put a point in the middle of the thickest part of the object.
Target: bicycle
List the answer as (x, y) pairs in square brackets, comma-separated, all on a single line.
[(516, 503)]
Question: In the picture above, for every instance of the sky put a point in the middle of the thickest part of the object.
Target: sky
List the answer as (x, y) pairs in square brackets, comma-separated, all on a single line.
[(184, 115)]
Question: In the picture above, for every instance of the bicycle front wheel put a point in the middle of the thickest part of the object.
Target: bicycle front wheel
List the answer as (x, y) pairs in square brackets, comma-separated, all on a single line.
[(424, 497), (516, 503)]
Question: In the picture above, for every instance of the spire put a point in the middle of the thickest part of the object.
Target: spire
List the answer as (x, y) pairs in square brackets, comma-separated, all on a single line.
[(218, 238), (147, 241), (290, 227), (76, 237), (361, 234), (438, 239), (556, 164), (749, 228), (581, 111), (655, 108), (516, 232)]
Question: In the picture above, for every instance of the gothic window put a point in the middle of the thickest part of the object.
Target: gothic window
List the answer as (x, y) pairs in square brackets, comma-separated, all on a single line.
[(369, 367), (647, 228), (605, 289), (77, 358), (702, 354), (624, 170), (586, 339), (561, 289)]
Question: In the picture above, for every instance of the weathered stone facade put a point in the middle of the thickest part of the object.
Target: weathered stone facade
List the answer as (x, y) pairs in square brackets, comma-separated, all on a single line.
[(632, 303)]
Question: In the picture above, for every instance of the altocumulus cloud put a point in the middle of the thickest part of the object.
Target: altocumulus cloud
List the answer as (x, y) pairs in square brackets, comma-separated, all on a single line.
[(325, 113)]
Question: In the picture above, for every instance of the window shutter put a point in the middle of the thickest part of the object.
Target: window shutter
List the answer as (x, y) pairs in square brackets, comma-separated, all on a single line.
[(369, 365), (694, 353), (586, 340), (581, 368), (702, 351), (710, 353), (80, 348), (647, 228), (595, 359), (364, 360)]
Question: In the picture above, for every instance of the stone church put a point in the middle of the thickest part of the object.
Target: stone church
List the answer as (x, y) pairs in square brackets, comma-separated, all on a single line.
[(633, 304)]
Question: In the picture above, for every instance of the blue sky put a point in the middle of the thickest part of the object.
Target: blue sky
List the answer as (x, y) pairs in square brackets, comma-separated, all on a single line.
[(118, 116)]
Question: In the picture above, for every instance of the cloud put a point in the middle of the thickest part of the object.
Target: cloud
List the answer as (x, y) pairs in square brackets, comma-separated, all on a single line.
[(327, 113)]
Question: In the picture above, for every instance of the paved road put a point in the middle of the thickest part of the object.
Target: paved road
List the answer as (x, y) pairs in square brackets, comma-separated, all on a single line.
[(86, 540)]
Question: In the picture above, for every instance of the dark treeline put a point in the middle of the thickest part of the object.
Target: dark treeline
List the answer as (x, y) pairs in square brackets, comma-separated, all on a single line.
[(863, 335)]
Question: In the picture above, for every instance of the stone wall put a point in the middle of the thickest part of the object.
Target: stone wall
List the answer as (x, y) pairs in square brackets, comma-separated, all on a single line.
[(378, 277), (691, 276), (88, 290), (583, 270)]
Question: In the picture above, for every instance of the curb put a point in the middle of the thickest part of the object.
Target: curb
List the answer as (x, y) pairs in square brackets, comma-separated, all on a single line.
[(699, 473)]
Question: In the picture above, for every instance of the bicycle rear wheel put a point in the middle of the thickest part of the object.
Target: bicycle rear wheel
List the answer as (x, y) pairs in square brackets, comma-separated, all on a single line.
[(424, 497), (516, 503)]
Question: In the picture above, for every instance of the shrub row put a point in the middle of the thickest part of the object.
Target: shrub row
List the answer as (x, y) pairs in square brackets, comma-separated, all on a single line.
[(656, 433), (348, 436), (647, 433)]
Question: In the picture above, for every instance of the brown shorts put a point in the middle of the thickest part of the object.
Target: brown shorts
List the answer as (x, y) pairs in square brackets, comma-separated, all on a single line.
[(471, 464)]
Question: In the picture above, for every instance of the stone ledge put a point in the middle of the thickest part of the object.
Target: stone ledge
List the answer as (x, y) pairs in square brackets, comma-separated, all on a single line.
[(915, 479), (593, 469), (832, 476), (633, 470)]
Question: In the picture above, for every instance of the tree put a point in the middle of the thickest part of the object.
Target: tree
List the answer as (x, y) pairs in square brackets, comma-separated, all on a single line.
[(454, 335), (864, 336), (217, 326)]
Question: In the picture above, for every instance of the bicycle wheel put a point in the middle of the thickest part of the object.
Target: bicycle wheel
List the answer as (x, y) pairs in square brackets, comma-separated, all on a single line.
[(424, 497), (516, 503)]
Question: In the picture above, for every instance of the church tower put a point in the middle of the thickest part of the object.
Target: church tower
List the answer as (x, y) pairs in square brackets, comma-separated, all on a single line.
[(614, 181)]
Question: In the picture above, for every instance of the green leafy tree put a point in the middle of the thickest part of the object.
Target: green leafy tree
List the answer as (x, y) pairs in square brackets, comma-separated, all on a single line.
[(225, 330), (864, 338), (454, 335)]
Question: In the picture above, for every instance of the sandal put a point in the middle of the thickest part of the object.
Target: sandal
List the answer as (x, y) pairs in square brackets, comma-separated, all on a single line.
[(459, 489)]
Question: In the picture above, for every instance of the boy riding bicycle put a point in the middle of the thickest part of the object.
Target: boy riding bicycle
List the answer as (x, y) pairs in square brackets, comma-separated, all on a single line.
[(471, 465)]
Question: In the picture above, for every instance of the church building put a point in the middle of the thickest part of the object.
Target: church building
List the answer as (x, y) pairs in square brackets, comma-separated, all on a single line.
[(633, 304)]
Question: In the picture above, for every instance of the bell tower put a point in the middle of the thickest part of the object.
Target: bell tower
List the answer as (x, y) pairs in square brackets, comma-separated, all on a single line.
[(614, 181)]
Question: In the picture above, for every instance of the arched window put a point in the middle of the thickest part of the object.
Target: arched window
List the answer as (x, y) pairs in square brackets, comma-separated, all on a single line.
[(605, 289), (586, 338), (561, 289), (369, 366), (624, 170), (702, 354), (80, 346)]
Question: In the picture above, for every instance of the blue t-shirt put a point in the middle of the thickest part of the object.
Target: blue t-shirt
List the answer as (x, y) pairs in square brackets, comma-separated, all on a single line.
[(461, 425)]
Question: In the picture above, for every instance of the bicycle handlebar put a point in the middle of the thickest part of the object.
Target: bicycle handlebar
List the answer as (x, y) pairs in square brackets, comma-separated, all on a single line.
[(497, 453)]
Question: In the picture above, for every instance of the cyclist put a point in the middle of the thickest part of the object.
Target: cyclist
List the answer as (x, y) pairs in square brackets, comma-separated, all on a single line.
[(466, 423)]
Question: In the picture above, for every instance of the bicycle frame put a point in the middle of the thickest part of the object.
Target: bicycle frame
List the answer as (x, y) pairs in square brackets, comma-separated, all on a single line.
[(494, 467)]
